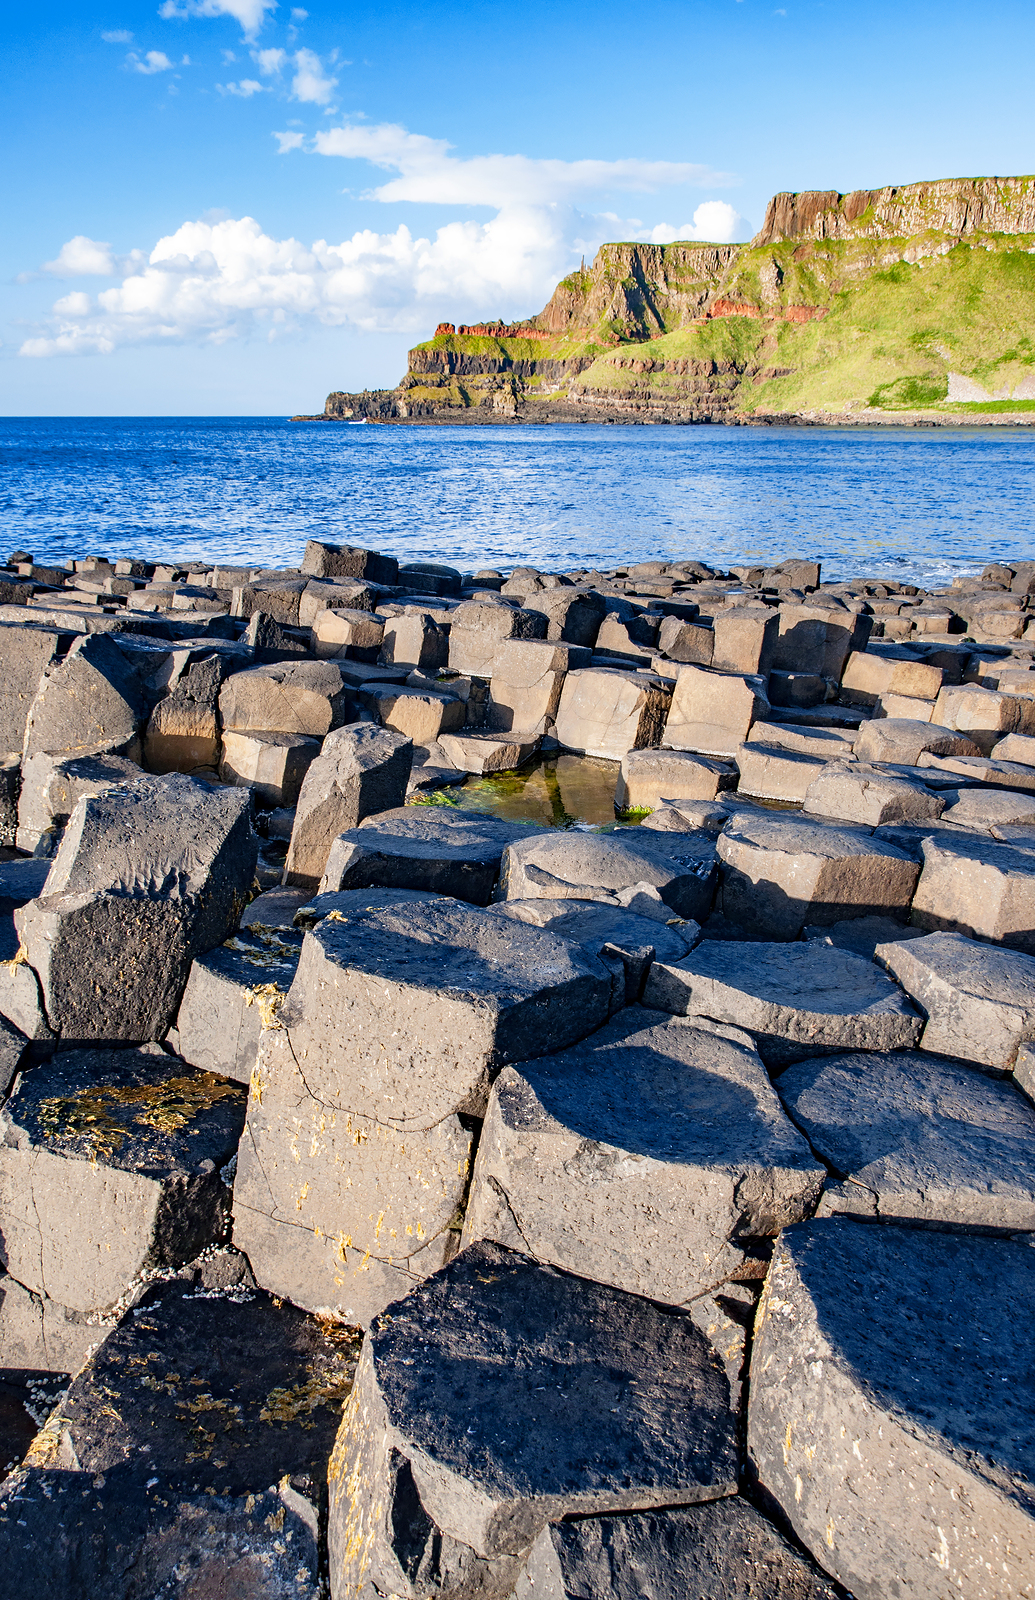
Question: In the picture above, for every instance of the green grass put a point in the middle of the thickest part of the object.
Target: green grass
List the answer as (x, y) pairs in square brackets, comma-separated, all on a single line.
[(991, 405)]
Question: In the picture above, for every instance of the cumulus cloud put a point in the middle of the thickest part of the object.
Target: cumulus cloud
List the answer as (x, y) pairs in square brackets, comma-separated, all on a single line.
[(117, 36), (153, 61), (251, 14), (217, 279), (311, 82), (715, 222), (244, 90), (82, 257), (428, 172), (269, 62)]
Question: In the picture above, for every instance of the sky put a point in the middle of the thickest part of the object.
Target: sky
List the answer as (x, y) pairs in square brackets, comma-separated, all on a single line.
[(231, 207)]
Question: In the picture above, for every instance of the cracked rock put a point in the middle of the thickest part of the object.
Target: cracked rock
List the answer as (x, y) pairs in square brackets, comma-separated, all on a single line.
[(502, 1395), (917, 1138), (891, 1392), (979, 999), (640, 1158)]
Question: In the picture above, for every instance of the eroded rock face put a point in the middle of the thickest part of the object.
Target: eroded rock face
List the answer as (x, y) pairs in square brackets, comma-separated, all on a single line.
[(644, 1157), (502, 1395), (881, 1362)]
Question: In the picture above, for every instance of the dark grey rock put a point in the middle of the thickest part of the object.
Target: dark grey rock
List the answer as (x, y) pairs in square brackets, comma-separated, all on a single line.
[(916, 1137), (423, 847), (404, 1012), (608, 931), (502, 1395), (110, 1165), (20, 882), (892, 1414), (146, 878), (361, 770), (229, 993), (721, 1551), (780, 873), (796, 999), (323, 560), (557, 865), (92, 700), (53, 785), (864, 934), (27, 651), (186, 1458), (642, 1158)]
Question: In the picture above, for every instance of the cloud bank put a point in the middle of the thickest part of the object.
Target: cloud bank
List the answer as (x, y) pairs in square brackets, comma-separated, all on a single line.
[(215, 280)]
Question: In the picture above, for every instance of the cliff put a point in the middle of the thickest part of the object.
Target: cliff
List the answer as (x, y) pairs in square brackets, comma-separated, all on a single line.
[(860, 306)]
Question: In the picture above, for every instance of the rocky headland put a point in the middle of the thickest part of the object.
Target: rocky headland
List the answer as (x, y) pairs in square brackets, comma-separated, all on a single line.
[(401, 1201), (904, 305)]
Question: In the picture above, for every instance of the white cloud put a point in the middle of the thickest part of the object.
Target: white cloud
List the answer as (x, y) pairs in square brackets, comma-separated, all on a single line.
[(427, 171), (269, 62), (154, 61), (218, 279), (251, 14), (82, 257), (117, 36), (244, 90), (298, 15), (311, 82), (715, 222)]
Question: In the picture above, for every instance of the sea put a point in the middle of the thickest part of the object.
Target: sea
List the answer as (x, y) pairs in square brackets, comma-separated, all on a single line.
[(918, 505)]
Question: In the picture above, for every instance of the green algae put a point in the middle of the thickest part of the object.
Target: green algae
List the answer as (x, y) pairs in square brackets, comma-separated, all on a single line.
[(557, 791)]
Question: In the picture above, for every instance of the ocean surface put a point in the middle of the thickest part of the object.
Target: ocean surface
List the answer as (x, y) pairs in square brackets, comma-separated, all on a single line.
[(917, 505)]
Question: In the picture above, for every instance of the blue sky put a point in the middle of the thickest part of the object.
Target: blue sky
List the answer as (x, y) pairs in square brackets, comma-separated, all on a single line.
[(231, 207)]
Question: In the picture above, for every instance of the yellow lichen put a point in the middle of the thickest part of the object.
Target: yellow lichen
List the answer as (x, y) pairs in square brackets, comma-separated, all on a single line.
[(106, 1114)]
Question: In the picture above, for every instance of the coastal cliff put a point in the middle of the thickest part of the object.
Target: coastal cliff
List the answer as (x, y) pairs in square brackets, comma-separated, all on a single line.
[(912, 301)]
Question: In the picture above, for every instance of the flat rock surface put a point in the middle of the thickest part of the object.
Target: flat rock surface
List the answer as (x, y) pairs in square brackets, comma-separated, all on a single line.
[(423, 847), (889, 1386), (640, 1157), (918, 1138), (519, 1394), (680, 866), (722, 1551), (810, 994), (979, 999), (595, 925), (402, 1013)]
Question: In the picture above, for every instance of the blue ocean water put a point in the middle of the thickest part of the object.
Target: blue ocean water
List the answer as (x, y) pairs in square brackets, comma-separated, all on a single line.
[(913, 504)]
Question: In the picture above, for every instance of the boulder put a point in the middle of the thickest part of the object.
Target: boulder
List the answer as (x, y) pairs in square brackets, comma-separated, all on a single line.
[(422, 847), (649, 778), (978, 999), (796, 999), (502, 1395), (572, 865), (403, 1013), (360, 771), (681, 639), (488, 752), (980, 769), (771, 773), (723, 1549), (414, 641), (645, 1157), (272, 641), (307, 697), (917, 1138), (712, 713), (901, 739), (977, 887), (91, 701), (145, 879), (527, 678), (779, 873), (52, 786), (189, 1453), (984, 715), (745, 639), (344, 631), (881, 1362), (420, 715), (478, 630), (339, 1212), (604, 712), (26, 653), (868, 677), (231, 994), (830, 744), (818, 638), (1015, 747), (986, 808), (110, 1165), (348, 561), (855, 791), (271, 765)]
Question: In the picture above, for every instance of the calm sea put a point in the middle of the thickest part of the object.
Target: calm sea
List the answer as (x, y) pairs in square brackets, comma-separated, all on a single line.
[(917, 505)]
